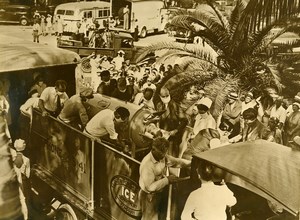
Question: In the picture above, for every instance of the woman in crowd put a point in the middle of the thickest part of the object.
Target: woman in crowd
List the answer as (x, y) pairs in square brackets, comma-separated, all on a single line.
[(292, 126)]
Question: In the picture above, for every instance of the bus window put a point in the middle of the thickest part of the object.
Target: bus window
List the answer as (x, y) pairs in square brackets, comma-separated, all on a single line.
[(88, 14), (106, 12), (103, 13), (69, 12), (100, 14), (60, 12)]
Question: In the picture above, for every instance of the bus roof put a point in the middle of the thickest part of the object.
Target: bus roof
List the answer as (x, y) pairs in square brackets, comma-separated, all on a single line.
[(17, 54), (83, 5)]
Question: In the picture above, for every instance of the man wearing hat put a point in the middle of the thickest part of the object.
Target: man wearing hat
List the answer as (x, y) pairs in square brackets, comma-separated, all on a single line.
[(107, 85), (22, 168), (232, 112), (253, 128), (74, 112), (119, 59), (289, 110), (249, 102)]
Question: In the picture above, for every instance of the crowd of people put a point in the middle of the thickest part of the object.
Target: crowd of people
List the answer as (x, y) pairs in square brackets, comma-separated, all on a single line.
[(88, 30), (177, 130)]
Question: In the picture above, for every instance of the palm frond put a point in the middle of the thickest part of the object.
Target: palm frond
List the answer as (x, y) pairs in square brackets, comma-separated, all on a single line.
[(260, 13), (276, 77), (218, 90), (180, 83), (235, 16), (221, 18), (176, 49)]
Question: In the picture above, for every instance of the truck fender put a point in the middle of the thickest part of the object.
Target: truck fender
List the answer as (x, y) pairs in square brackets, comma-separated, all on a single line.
[(67, 209)]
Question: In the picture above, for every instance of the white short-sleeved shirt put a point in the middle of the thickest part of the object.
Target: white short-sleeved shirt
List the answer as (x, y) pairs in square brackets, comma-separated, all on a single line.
[(49, 96), (208, 202), (279, 113), (102, 124)]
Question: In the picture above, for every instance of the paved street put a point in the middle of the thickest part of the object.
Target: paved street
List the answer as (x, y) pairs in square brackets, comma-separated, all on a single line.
[(25, 32)]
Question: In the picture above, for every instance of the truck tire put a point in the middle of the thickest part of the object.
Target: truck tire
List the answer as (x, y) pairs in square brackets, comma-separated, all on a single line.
[(23, 22), (65, 212), (143, 33)]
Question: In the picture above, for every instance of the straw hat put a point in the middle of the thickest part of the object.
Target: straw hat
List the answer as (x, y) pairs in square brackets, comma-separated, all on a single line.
[(233, 95)]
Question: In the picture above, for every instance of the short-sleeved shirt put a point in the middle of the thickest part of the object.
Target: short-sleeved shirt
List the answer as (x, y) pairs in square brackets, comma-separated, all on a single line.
[(49, 96), (74, 111), (208, 202), (152, 172), (102, 124)]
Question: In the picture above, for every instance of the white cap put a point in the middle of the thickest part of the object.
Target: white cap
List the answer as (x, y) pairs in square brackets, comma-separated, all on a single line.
[(19, 145), (206, 101)]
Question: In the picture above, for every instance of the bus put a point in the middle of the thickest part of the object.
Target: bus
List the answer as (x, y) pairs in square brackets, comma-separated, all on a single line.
[(74, 12), (146, 16)]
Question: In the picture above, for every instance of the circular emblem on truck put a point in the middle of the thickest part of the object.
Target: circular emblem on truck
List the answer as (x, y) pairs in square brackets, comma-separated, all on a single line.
[(126, 194)]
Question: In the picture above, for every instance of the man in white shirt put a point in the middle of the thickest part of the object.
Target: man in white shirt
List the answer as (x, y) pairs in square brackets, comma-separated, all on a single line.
[(210, 201), (52, 99), (153, 178), (145, 98), (103, 123), (119, 59), (277, 111), (32, 102)]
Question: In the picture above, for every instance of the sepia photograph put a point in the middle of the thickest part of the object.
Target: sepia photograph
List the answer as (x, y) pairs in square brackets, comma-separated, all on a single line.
[(150, 109)]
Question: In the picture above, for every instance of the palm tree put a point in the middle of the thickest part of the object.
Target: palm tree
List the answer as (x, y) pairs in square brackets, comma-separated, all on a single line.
[(237, 57)]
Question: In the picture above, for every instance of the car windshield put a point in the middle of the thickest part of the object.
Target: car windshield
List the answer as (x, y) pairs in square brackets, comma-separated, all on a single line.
[(60, 12), (69, 12)]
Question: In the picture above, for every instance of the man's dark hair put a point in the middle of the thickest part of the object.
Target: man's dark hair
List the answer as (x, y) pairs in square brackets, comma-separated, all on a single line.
[(149, 91), (202, 107), (205, 170), (226, 125), (61, 84), (122, 112), (105, 73), (250, 114), (161, 144)]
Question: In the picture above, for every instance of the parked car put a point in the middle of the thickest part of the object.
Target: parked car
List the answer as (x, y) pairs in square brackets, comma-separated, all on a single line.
[(44, 10), (15, 14)]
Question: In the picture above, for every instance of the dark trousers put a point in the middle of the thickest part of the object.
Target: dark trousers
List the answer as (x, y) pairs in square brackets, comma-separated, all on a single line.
[(154, 205), (36, 36)]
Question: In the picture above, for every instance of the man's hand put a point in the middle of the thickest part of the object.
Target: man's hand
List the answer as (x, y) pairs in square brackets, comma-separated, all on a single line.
[(45, 113), (173, 179), (172, 133)]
